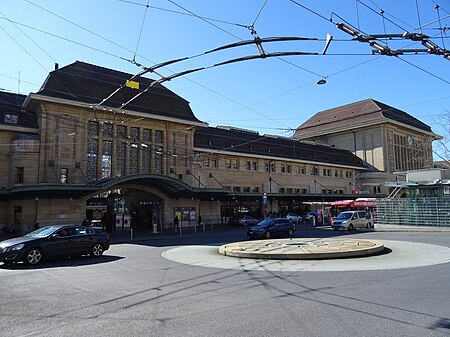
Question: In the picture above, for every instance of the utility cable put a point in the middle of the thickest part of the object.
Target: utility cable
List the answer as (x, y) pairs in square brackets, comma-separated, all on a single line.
[(424, 70), (418, 15), (440, 26), (42, 49), (376, 12), (259, 13), (140, 32)]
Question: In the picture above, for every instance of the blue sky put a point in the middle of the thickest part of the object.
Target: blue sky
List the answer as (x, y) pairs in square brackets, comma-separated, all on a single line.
[(272, 95)]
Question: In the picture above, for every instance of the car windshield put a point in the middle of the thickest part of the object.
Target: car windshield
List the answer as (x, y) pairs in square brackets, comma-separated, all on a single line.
[(264, 223), (42, 232), (344, 215)]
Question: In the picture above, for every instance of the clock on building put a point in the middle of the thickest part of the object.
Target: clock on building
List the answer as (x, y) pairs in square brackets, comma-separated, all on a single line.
[(410, 140)]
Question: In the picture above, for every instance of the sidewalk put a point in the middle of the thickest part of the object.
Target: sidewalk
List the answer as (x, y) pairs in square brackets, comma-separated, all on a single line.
[(125, 236)]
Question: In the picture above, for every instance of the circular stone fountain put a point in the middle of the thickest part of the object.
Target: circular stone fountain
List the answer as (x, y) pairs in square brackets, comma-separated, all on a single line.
[(302, 248)]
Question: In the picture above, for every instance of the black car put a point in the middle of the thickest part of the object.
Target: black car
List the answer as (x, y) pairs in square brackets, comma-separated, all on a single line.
[(272, 227), (54, 241)]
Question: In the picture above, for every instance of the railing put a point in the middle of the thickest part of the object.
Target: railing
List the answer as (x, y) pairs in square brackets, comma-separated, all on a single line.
[(413, 212)]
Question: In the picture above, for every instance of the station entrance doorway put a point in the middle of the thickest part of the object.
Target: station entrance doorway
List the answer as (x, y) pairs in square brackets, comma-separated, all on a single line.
[(123, 208)]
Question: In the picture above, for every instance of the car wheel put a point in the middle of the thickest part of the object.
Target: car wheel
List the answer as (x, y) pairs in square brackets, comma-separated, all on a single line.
[(33, 256), (290, 232), (350, 227), (267, 235), (97, 250)]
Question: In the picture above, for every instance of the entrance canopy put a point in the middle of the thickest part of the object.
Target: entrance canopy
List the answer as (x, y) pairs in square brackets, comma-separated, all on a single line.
[(173, 187)]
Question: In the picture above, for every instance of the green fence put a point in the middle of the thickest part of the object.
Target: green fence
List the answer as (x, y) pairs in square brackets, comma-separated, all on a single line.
[(413, 212)]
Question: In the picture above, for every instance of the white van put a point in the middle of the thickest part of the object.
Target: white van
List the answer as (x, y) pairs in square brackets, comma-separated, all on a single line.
[(351, 220)]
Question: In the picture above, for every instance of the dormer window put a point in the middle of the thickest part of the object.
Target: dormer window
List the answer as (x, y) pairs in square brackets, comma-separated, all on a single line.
[(11, 119)]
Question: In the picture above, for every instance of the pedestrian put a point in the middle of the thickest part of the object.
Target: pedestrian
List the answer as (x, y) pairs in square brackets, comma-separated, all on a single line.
[(85, 222), (200, 220), (176, 223), (36, 226)]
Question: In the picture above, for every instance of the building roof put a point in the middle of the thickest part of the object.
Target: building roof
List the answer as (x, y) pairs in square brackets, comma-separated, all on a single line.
[(247, 142), (358, 114), (12, 114), (88, 83)]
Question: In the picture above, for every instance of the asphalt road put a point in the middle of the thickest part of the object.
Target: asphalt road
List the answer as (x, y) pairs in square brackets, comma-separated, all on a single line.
[(133, 290)]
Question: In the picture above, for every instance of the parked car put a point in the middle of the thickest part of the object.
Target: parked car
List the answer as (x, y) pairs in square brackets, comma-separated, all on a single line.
[(272, 227), (351, 220), (308, 216), (54, 241), (248, 220), (294, 217)]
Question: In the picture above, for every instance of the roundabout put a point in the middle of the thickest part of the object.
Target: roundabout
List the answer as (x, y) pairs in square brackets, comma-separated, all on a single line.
[(396, 255), (302, 248)]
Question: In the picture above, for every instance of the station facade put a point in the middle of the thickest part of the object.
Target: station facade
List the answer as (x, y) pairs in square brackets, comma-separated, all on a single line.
[(73, 151)]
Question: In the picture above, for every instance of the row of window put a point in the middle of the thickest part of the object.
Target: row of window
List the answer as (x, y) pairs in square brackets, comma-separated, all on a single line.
[(133, 133), (287, 190), (234, 164), (409, 153), (128, 159)]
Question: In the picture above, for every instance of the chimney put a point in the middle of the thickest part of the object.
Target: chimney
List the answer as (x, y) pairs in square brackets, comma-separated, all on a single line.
[(56, 66)]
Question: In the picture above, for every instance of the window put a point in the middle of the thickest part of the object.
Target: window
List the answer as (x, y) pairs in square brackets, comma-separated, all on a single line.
[(121, 131), (251, 165), (205, 161), (255, 189), (92, 160), (93, 128), (134, 164), (228, 164), (134, 134), (234, 164), (288, 168), (11, 119), (147, 135), (146, 159), (269, 167), (121, 157), (63, 176), (214, 162), (283, 168), (106, 159), (19, 175), (246, 189), (159, 136), (236, 188), (158, 160), (107, 129)]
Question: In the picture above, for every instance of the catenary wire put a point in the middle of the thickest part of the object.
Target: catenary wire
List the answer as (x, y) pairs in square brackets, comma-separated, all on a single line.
[(140, 31)]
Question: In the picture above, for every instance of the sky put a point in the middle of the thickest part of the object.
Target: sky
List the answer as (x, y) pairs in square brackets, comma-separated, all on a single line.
[(272, 95)]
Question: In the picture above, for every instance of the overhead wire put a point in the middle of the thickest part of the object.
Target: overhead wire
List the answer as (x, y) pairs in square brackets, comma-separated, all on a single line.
[(195, 15), (140, 32), (259, 13), (440, 26), (418, 15)]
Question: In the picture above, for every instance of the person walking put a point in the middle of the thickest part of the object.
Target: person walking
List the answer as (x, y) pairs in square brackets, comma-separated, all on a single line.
[(176, 223)]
